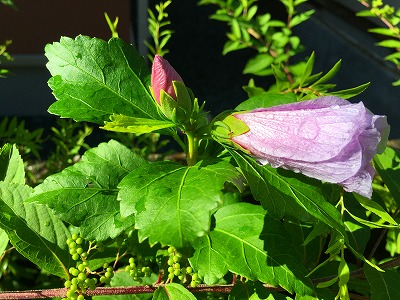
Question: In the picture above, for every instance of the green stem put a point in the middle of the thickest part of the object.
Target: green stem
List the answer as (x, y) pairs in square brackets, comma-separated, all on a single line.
[(193, 144), (179, 141)]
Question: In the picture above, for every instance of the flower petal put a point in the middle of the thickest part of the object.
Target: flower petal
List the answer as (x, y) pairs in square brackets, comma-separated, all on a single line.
[(162, 75), (305, 134)]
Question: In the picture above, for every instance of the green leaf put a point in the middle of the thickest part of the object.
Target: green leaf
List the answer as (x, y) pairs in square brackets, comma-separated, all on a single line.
[(384, 31), (3, 241), (253, 291), (388, 166), (256, 246), (85, 194), (93, 79), (173, 203), (282, 193), (210, 265), (358, 235), (331, 73), (384, 285), (33, 230), (258, 63), (265, 100), (121, 123), (11, 165), (308, 69), (124, 279), (389, 44), (300, 18), (375, 208), (173, 291), (346, 94)]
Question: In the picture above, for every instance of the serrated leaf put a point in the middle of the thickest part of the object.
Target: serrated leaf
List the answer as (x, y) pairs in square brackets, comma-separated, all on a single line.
[(121, 123), (33, 230), (257, 247), (173, 203), (281, 193), (85, 194), (93, 79), (210, 265), (265, 100), (387, 165), (11, 165), (348, 93), (384, 285), (173, 291)]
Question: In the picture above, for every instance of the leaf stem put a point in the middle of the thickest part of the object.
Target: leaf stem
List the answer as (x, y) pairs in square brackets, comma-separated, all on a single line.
[(193, 145)]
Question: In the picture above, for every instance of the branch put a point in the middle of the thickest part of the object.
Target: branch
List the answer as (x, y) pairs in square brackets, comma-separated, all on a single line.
[(225, 289)]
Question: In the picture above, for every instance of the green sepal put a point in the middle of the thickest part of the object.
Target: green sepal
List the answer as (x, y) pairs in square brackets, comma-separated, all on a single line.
[(171, 109), (225, 128), (121, 123), (183, 96)]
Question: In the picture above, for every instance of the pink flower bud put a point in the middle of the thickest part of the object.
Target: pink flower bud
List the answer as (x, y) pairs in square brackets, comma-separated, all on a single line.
[(162, 75), (328, 138)]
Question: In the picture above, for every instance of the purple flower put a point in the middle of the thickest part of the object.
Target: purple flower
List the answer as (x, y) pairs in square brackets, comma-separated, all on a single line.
[(328, 138), (162, 75)]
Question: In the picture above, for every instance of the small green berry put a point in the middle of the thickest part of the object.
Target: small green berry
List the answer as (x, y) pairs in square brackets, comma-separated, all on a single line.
[(70, 293), (81, 276), (171, 276), (108, 274), (177, 266), (81, 267), (84, 255), (193, 284), (79, 240), (131, 260), (189, 270), (177, 272), (74, 236), (171, 270), (171, 249), (79, 250), (67, 284), (73, 288), (127, 268), (75, 256)]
